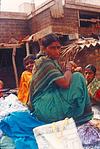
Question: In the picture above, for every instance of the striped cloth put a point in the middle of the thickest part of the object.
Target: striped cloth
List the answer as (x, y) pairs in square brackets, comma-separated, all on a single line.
[(47, 72)]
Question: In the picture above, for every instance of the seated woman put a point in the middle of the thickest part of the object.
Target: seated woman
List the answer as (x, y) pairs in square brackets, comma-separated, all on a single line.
[(55, 95), (23, 90), (93, 83)]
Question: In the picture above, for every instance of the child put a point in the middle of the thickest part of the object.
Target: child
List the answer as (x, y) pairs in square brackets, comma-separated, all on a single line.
[(93, 84), (23, 91)]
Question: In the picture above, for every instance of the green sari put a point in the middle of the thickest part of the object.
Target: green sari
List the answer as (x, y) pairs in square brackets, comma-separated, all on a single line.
[(52, 103)]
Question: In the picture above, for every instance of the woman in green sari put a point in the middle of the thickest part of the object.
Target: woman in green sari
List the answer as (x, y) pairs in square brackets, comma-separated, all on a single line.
[(55, 94)]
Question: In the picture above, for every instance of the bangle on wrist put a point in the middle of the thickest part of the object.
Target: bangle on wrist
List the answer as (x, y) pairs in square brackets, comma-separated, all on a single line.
[(68, 69)]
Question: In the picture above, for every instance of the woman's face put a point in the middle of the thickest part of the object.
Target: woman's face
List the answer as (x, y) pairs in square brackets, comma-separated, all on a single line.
[(89, 75), (53, 50)]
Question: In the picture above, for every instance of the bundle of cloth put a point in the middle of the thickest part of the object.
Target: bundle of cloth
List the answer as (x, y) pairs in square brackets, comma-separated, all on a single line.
[(17, 124)]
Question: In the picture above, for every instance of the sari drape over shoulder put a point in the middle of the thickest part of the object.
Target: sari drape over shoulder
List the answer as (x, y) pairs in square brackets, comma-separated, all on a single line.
[(52, 103), (47, 72)]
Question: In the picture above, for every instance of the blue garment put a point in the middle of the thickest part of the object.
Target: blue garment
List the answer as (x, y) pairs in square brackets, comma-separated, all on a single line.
[(19, 126)]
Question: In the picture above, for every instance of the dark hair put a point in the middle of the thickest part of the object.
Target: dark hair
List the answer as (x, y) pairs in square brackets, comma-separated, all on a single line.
[(48, 39), (28, 58), (91, 67)]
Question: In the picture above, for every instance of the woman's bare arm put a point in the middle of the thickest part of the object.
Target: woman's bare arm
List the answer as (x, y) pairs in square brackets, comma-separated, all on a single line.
[(65, 81)]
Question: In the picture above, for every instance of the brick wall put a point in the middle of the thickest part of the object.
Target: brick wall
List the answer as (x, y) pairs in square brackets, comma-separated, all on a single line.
[(18, 25), (40, 21), (12, 25), (68, 24), (12, 29)]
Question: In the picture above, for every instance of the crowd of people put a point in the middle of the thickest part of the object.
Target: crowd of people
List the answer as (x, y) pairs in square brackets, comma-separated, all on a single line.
[(52, 94)]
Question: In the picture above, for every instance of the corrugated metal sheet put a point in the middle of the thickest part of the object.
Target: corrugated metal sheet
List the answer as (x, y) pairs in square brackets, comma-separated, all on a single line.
[(70, 51), (90, 45)]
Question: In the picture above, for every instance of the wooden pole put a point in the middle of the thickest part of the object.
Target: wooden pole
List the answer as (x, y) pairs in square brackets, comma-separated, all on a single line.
[(14, 66), (27, 48)]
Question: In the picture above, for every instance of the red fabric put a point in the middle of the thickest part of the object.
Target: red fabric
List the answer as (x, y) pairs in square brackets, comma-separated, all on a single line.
[(97, 95)]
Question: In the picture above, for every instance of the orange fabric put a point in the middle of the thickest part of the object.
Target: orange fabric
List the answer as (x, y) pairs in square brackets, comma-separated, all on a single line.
[(23, 91), (1, 88)]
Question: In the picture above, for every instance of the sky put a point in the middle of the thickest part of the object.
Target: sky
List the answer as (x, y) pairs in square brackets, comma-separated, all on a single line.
[(12, 5)]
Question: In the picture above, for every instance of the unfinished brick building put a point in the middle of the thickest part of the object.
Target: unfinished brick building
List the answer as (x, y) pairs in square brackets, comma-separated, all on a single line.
[(71, 17)]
